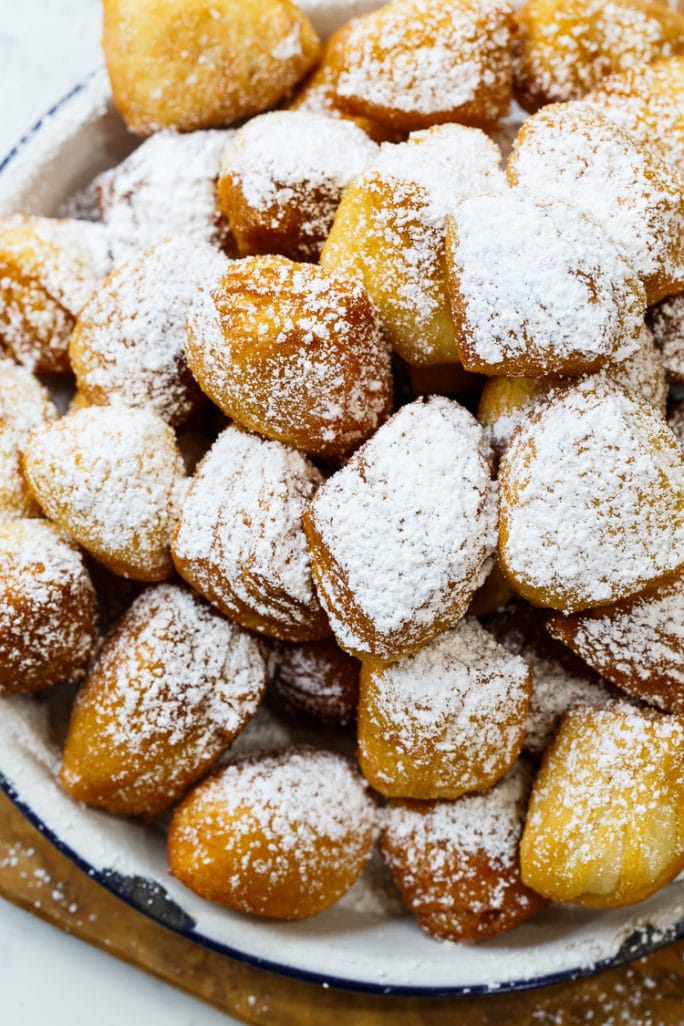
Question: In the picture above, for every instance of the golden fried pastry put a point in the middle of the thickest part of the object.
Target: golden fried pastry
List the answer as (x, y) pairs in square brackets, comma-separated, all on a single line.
[(165, 188), (416, 63), (646, 100), (111, 477), (537, 288), (282, 178), (240, 541), (667, 321), (190, 64), (389, 233), (282, 835), (592, 499), (320, 680), (293, 352), (506, 402), (573, 152), (24, 405), (560, 680), (605, 826), (48, 608), (316, 93), (637, 643), (127, 345), (446, 720), (172, 686), (456, 863), (48, 269), (564, 48), (402, 536)]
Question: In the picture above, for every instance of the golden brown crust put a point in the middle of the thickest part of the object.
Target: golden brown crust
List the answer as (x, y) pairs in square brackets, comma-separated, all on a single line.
[(200, 64), (318, 679)]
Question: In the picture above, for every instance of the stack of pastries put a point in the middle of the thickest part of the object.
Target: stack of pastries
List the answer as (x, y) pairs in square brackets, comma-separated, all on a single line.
[(369, 425)]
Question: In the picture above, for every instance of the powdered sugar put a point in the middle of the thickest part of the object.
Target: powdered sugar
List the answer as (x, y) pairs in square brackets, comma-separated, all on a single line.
[(676, 421), (574, 153), (537, 288), (240, 541), (422, 61), (127, 347), (112, 477), (402, 536), (164, 188), (449, 718), (592, 498)]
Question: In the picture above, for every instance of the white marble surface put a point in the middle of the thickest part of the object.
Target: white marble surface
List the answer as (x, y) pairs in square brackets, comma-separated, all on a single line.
[(46, 977)]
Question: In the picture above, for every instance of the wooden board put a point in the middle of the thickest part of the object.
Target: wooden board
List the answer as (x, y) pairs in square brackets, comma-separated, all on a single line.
[(36, 876)]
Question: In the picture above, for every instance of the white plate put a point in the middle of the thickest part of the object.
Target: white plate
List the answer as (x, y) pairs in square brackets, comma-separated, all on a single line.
[(365, 942)]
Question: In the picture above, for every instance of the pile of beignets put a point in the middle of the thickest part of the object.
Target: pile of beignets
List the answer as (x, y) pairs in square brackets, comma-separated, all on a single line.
[(369, 426)]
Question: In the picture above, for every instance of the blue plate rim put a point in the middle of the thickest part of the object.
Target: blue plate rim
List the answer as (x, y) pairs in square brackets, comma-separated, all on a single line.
[(632, 949)]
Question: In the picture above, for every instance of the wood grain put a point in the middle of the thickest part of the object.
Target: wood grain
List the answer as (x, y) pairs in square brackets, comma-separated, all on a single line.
[(36, 876)]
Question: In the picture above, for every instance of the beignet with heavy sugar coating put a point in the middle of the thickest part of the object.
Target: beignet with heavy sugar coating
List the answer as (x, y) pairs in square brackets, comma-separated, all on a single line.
[(390, 227), (127, 345), (537, 288), (416, 63), (190, 64), (24, 405), (564, 48), (318, 679), (164, 188), (403, 535), (446, 720), (111, 477), (291, 351), (240, 541), (173, 684), (282, 835), (667, 322), (456, 863), (605, 826), (316, 93), (506, 402), (637, 643), (592, 499), (48, 269), (282, 177), (48, 608), (560, 680), (573, 152), (646, 100)]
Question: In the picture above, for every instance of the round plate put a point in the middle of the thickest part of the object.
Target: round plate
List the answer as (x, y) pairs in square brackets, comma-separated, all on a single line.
[(366, 942)]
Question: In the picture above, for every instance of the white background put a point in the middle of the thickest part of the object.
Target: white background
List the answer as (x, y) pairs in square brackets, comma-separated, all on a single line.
[(46, 977)]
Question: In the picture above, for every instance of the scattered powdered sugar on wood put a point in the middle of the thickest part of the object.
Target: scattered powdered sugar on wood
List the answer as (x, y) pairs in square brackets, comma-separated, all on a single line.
[(638, 644), (113, 477), (164, 188), (127, 346), (402, 535), (455, 710), (430, 58), (240, 540), (592, 497), (47, 606), (559, 679), (667, 322), (574, 153), (540, 287), (301, 811)]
